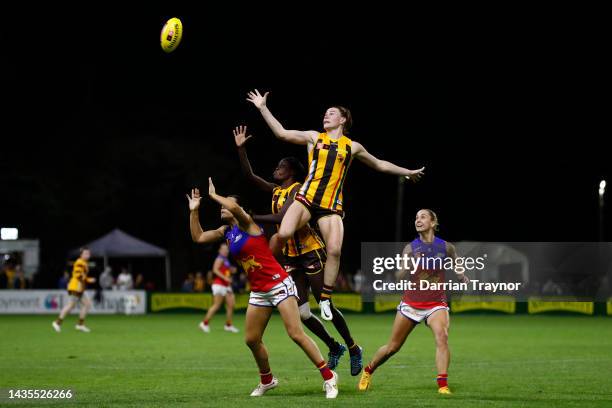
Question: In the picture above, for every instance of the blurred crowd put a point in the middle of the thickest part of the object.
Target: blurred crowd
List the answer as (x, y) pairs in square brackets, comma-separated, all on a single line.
[(12, 276)]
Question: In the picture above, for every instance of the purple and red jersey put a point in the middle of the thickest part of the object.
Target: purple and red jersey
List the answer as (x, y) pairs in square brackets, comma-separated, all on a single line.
[(254, 256), (225, 271), (427, 299)]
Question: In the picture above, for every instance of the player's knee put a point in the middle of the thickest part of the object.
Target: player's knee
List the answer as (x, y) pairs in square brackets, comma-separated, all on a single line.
[(441, 338), (252, 341), (305, 313), (296, 334), (333, 250), (393, 348), (283, 234)]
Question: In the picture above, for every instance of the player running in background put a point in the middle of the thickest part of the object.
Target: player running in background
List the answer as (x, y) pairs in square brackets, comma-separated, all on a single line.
[(429, 306), (76, 292), (221, 290), (304, 252), (319, 200), (271, 286)]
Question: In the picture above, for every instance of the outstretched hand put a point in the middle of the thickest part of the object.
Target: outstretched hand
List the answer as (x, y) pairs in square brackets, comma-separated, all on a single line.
[(211, 187), (256, 99), (240, 136), (415, 175), (194, 199)]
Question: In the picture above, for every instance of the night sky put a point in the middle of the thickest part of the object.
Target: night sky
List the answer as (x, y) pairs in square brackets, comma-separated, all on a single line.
[(104, 130)]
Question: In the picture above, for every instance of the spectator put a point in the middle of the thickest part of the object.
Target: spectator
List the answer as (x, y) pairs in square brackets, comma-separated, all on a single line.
[(358, 280), (19, 281), (149, 286), (188, 283), (139, 283), (239, 284), (9, 272), (106, 279), (199, 283), (552, 288), (62, 283), (124, 280)]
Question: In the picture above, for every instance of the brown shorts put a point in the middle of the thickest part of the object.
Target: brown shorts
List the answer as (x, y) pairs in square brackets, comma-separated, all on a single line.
[(317, 212), (76, 296), (311, 262)]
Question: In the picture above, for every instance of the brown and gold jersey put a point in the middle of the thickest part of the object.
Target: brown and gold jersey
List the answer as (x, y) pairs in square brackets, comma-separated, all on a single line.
[(328, 164), (79, 276), (304, 240)]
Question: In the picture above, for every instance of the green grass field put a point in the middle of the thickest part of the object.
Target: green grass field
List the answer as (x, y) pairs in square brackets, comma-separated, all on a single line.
[(164, 360)]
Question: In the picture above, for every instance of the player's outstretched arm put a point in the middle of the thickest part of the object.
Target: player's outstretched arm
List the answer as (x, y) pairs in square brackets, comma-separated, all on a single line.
[(198, 235), (301, 137), (452, 252), (278, 218), (240, 138), (245, 221), (384, 166)]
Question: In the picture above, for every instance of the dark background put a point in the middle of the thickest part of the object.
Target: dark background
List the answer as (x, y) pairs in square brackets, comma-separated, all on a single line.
[(101, 129)]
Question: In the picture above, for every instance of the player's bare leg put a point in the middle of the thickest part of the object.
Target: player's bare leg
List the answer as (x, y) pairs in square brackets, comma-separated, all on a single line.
[(315, 281), (295, 218), (57, 323), (332, 232), (439, 324), (85, 306), (402, 327), (290, 314), (256, 320), (217, 302), (230, 301)]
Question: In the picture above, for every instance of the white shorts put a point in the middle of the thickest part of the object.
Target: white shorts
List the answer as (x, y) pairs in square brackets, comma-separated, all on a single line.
[(274, 296), (417, 315), (221, 290)]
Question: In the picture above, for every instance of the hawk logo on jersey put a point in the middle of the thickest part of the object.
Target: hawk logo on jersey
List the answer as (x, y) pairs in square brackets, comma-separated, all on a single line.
[(249, 264)]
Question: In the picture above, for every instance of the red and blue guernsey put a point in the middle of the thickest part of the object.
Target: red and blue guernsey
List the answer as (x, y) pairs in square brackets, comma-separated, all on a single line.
[(430, 269), (225, 270), (254, 256)]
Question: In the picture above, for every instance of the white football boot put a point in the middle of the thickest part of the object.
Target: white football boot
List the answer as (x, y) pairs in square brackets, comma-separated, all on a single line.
[(262, 388), (325, 306), (331, 386)]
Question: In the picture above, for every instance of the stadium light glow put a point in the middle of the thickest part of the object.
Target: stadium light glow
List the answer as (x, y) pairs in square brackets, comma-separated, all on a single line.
[(602, 187), (9, 233)]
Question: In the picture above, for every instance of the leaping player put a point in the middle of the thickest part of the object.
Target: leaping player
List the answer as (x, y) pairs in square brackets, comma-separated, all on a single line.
[(422, 306), (271, 286), (319, 200), (304, 252)]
